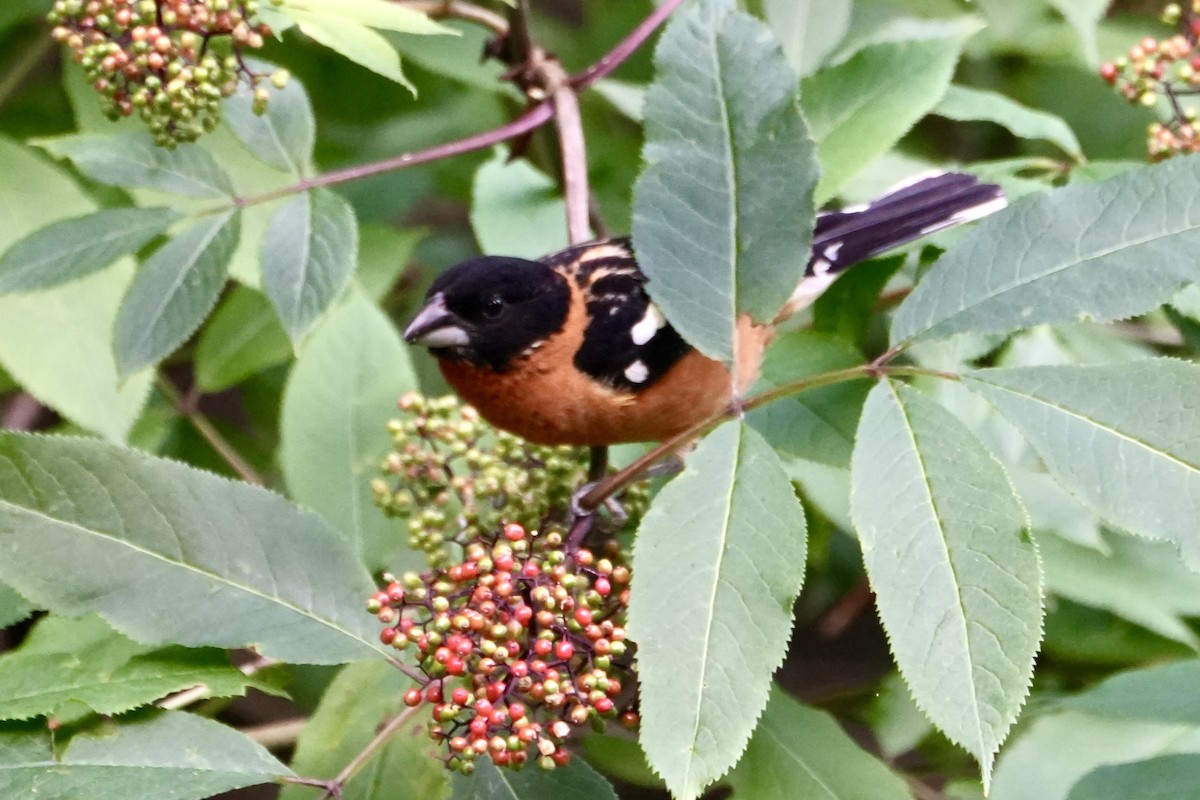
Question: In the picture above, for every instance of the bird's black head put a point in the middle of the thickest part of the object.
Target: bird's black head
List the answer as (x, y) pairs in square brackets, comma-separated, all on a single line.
[(489, 310)]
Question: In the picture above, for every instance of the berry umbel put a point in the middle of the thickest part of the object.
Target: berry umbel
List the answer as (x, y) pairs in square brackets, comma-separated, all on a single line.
[(170, 62)]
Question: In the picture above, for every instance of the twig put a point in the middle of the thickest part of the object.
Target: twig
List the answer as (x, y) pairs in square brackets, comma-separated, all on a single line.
[(23, 413), (209, 432), (334, 787), (574, 152), (25, 62), (876, 369), (532, 119), (274, 735), (457, 9)]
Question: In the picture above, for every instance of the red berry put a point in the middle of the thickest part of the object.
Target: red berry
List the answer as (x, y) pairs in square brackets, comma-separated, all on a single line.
[(514, 532), (460, 696), (564, 650), (583, 615), (516, 711), (603, 586), (603, 705), (542, 647), (1108, 71), (412, 698), (433, 692), (495, 691), (388, 635), (456, 666)]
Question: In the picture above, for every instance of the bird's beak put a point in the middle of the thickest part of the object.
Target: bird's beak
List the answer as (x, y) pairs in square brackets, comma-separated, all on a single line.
[(435, 326)]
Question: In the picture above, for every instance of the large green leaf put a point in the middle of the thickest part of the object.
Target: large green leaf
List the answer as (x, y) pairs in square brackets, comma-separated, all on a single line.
[(57, 343), (85, 661), (168, 554), (712, 611), (284, 135), (174, 291), (1084, 16), (13, 607), (336, 405), (860, 108), (1124, 438), (576, 781), (1099, 251), (722, 212), (966, 104), (1140, 580), (955, 575), (809, 30), (356, 42), (170, 754), (800, 752), (133, 160), (1161, 693), (242, 337), (308, 255), (517, 210), (72, 248), (351, 709), (1161, 778), (373, 13)]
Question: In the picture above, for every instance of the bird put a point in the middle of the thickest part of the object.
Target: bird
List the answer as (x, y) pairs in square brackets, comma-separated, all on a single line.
[(570, 349)]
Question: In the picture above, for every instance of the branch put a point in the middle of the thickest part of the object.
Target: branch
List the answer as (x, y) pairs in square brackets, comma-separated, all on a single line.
[(574, 152), (457, 9), (334, 788), (209, 432)]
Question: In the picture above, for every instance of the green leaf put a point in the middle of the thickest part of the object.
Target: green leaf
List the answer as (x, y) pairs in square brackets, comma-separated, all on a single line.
[(57, 343), (133, 160), (283, 136), (1123, 438), (308, 255), (1099, 251), (356, 42), (860, 108), (809, 30), (369, 13), (711, 612), (170, 754), (116, 675), (13, 607), (846, 308), (187, 557), (955, 575), (1084, 16), (800, 752), (383, 254), (722, 212), (72, 248), (517, 210), (818, 424), (351, 709), (243, 337), (1161, 693), (1174, 776), (336, 405), (967, 104), (1139, 580), (174, 291), (576, 781)]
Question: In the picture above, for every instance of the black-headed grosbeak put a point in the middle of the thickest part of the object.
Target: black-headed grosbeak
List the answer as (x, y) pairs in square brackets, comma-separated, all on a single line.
[(569, 349)]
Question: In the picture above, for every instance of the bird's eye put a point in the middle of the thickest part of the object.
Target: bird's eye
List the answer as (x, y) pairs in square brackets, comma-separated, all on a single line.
[(493, 307)]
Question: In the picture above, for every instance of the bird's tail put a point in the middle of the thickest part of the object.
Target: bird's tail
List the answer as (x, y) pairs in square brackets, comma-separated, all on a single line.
[(918, 207)]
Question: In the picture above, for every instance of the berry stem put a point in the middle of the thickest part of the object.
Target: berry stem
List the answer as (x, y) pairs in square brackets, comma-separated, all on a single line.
[(334, 788), (457, 9), (203, 425)]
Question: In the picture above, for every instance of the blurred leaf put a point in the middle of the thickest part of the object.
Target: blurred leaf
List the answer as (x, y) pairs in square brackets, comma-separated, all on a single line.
[(722, 212), (351, 709), (1084, 16), (956, 577), (242, 337), (85, 661), (712, 613), (967, 104), (517, 210), (170, 754), (13, 607), (800, 752), (369, 13), (336, 406), (860, 108), (72, 248), (1098, 251), (1160, 693), (220, 563), (1154, 779), (174, 291), (284, 135), (1139, 580), (133, 160), (896, 721), (1053, 509), (809, 30), (818, 424), (1056, 750), (16, 11), (356, 42), (58, 343), (457, 57), (847, 307), (308, 255), (576, 781), (383, 254), (628, 98), (619, 758), (1125, 439)]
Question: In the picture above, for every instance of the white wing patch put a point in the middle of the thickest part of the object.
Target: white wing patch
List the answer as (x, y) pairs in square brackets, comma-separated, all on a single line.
[(637, 372), (645, 328)]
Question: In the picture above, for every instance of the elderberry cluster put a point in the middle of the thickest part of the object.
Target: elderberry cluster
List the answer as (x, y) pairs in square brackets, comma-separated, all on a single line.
[(1168, 69), (520, 642), (456, 478), (170, 61)]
